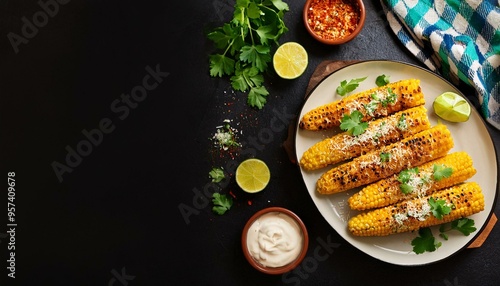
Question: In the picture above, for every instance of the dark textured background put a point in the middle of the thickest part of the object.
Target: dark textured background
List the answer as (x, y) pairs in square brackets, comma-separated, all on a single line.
[(117, 213)]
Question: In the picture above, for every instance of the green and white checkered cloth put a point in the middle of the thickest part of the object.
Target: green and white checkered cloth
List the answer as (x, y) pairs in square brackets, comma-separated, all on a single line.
[(460, 40)]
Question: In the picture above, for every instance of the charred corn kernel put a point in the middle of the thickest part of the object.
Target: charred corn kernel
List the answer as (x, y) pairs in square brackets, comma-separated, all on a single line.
[(372, 103), (381, 163), (380, 132), (465, 200), (419, 182)]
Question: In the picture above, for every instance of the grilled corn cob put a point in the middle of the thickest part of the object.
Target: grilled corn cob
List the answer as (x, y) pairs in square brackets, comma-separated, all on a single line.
[(383, 131), (413, 151), (372, 103), (465, 200), (417, 182)]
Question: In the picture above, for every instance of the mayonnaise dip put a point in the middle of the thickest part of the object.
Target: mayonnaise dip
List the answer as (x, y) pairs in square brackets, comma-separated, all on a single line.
[(274, 239)]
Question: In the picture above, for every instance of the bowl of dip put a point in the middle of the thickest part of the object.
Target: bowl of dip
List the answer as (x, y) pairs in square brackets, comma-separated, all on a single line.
[(334, 22), (274, 240)]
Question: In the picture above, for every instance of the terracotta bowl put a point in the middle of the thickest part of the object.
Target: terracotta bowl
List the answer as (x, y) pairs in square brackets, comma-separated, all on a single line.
[(334, 24), (281, 212)]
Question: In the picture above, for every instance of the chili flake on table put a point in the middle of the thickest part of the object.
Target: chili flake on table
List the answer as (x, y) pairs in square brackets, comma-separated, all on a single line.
[(333, 19)]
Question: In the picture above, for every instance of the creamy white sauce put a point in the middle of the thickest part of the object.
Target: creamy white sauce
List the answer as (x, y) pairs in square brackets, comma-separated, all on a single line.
[(274, 239)]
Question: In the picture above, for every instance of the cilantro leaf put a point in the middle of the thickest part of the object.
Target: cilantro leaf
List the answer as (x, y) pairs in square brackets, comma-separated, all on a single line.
[(282, 6), (238, 82), (257, 55), (406, 189), (345, 87), (442, 232), (464, 225), (352, 123), (266, 33), (221, 65), (385, 157), (441, 171), (404, 177), (425, 241), (222, 203), (439, 207), (257, 96), (402, 124), (246, 78), (222, 36), (253, 11), (217, 175), (382, 80)]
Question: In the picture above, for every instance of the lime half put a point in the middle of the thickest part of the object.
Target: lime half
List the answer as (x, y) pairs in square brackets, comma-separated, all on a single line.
[(452, 107), (290, 60), (252, 175)]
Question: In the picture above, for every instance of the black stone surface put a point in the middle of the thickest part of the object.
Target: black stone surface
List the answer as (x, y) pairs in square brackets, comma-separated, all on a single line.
[(113, 216)]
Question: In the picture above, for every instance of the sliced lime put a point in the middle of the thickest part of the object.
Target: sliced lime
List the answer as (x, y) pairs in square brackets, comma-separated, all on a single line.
[(290, 60), (252, 175), (452, 107)]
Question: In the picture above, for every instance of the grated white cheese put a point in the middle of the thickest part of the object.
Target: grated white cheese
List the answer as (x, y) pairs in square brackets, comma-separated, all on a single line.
[(400, 218), (225, 136), (419, 183), (419, 209)]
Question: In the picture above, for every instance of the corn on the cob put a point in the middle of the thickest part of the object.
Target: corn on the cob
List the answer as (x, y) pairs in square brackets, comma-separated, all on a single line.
[(372, 103), (380, 132), (420, 181), (465, 200), (413, 151)]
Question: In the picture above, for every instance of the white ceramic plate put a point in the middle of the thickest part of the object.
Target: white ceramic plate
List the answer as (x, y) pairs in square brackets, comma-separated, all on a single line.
[(471, 136)]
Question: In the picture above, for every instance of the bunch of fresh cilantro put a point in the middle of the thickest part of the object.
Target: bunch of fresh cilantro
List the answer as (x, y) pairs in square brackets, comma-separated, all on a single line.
[(244, 46)]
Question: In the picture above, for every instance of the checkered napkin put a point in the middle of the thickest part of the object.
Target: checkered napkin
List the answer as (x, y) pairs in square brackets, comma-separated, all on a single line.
[(458, 39)]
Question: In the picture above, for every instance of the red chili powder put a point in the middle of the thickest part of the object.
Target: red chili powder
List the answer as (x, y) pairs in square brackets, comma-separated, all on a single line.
[(333, 19)]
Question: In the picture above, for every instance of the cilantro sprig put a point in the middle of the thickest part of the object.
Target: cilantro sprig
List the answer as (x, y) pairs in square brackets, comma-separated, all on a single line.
[(382, 80), (463, 225), (441, 171), (244, 46), (425, 241), (222, 203), (217, 175), (385, 157), (347, 86), (352, 123), (439, 207)]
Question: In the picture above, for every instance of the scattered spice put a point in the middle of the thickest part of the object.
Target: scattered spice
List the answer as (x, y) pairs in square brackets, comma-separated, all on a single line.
[(333, 19), (232, 195)]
